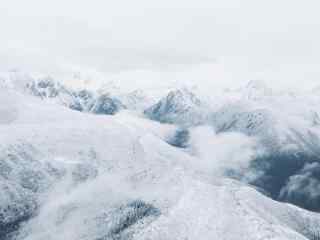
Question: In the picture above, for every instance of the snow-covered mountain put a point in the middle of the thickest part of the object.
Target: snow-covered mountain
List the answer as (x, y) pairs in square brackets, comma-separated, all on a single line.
[(257, 90), (81, 100), (65, 174), (107, 96), (180, 107), (105, 104), (287, 131), (137, 100)]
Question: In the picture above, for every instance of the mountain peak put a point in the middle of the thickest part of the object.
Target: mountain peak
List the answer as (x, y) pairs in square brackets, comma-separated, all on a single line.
[(257, 89), (179, 106)]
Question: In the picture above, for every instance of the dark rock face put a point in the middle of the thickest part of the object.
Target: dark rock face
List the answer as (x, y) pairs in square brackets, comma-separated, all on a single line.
[(288, 177), (84, 99), (180, 138), (179, 107), (288, 171), (106, 105), (76, 106), (85, 95), (303, 188), (8, 229), (275, 170)]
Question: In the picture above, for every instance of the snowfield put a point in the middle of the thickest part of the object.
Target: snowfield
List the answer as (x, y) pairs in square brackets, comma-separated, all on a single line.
[(76, 175)]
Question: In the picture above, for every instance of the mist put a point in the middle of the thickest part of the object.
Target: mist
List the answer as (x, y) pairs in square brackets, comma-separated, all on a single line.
[(207, 43), (218, 154)]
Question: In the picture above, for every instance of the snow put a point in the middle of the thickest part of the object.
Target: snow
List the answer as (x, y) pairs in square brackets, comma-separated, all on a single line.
[(79, 176), (180, 107)]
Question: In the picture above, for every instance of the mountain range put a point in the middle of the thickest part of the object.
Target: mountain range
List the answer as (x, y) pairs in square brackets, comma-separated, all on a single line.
[(89, 165)]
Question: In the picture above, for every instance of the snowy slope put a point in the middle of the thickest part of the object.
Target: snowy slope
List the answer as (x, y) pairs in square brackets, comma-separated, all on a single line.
[(227, 210), (71, 175)]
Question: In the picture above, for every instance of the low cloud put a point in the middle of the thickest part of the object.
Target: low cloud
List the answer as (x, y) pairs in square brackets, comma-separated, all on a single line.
[(222, 153)]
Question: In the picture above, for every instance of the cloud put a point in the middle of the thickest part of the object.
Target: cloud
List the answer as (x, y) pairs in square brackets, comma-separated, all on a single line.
[(221, 153), (303, 188), (148, 36)]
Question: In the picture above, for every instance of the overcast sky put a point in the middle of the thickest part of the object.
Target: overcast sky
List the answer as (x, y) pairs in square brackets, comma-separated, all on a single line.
[(218, 43)]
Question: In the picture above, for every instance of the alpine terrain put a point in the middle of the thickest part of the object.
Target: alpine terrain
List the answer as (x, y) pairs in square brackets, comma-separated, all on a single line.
[(81, 164)]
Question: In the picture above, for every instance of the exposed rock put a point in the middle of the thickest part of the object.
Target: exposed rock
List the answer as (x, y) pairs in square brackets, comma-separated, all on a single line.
[(107, 105), (180, 107)]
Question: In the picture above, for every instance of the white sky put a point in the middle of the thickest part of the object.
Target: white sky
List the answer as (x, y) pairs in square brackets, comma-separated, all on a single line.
[(217, 43)]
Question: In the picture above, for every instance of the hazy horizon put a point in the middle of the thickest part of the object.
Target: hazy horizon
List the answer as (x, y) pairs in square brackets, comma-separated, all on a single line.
[(214, 43)]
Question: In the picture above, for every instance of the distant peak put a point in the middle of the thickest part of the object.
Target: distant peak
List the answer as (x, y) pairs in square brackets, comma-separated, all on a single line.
[(257, 83), (257, 89)]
